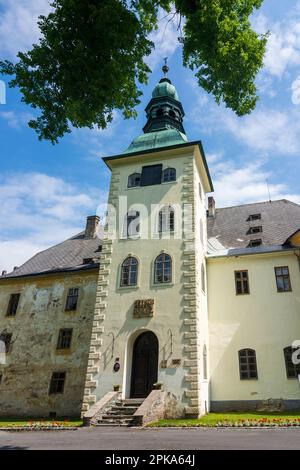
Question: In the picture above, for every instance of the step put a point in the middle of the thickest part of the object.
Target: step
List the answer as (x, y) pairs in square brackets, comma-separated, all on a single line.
[(124, 409), (120, 411), (131, 402), (117, 417), (108, 425)]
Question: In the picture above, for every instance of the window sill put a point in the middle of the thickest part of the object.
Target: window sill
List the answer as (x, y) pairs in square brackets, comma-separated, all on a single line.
[(162, 285), (124, 288), (169, 182), (64, 352), (284, 291)]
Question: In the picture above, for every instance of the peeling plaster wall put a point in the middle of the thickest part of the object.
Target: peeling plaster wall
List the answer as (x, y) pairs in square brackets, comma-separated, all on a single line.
[(33, 357)]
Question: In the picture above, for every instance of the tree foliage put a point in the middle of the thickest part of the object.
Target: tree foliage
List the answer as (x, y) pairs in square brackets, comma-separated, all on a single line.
[(90, 59)]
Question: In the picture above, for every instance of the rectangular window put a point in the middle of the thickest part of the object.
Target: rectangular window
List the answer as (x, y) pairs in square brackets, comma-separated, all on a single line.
[(254, 217), (64, 338), (151, 174), (13, 305), (57, 383), (241, 282), (72, 299), (6, 339), (256, 242), (257, 229), (247, 362), (292, 370), (283, 281)]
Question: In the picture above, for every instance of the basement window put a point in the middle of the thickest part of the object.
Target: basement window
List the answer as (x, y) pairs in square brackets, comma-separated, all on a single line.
[(64, 338), (13, 305), (57, 383)]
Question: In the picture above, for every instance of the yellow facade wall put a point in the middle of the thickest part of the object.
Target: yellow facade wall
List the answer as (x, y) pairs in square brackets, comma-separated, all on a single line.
[(264, 320)]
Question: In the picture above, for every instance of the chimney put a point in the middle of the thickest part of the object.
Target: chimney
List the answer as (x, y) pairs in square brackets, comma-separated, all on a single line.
[(211, 212), (92, 223), (3, 273)]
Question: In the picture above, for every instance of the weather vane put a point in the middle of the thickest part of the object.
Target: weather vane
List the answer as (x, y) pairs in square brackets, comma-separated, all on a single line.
[(165, 67)]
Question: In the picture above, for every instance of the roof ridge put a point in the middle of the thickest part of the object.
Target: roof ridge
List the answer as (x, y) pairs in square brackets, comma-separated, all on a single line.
[(256, 203)]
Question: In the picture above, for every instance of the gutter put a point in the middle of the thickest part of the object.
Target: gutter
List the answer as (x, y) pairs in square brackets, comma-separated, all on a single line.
[(73, 269)]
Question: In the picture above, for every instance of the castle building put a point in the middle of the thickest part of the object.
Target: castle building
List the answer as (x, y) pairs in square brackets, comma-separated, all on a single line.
[(177, 295)]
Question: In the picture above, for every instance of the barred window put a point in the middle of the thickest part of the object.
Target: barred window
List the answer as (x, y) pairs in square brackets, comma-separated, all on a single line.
[(6, 339), (166, 219), (292, 370), (134, 180), (129, 272), (13, 305), (72, 299), (283, 281), (163, 269), (247, 362), (64, 338), (241, 282), (57, 383), (168, 175)]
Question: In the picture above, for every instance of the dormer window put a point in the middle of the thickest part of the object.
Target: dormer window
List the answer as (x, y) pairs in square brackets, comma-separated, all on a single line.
[(256, 242), (255, 229), (134, 180), (254, 217)]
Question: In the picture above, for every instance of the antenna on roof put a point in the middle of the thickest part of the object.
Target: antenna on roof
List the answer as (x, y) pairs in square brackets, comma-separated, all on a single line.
[(268, 188)]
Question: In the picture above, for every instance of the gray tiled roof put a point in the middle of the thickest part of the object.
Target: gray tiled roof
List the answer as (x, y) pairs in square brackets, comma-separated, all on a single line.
[(279, 220), (65, 256)]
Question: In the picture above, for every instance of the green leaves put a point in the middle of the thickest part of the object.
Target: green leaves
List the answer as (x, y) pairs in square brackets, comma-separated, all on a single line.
[(225, 52), (90, 58)]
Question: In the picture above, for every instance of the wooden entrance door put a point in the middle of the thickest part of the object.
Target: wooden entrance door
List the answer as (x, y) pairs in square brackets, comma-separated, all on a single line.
[(144, 365)]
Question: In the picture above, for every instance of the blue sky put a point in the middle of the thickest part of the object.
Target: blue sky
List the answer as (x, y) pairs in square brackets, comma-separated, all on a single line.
[(47, 191)]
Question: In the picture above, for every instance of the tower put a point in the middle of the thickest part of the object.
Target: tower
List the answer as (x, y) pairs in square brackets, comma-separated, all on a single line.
[(150, 322)]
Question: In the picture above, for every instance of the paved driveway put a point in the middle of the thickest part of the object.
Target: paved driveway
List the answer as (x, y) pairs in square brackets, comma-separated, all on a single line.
[(110, 438)]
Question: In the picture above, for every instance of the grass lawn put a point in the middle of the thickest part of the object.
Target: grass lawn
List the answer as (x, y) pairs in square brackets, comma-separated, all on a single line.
[(17, 422), (212, 419)]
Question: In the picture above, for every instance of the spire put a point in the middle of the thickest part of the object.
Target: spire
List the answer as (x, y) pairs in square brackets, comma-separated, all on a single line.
[(165, 67), (164, 111)]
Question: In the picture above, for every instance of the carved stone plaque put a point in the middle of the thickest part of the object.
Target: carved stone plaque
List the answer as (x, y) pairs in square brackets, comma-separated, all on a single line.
[(143, 308)]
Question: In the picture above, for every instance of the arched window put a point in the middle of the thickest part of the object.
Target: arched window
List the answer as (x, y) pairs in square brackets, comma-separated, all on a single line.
[(166, 219), (204, 362), (169, 174), (292, 370), (132, 224), (134, 180), (247, 363), (129, 272), (203, 283), (172, 113), (159, 112), (163, 269)]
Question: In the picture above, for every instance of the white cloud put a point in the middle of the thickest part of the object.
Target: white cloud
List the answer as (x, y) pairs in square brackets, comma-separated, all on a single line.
[(296, 91), (246, 184), (16, 120), (37, 211), (283, 47), (18, 24), (165, 39), (265, 129)]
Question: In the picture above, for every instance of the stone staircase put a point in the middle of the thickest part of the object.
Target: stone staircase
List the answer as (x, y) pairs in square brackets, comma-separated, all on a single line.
[(119, 413)]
